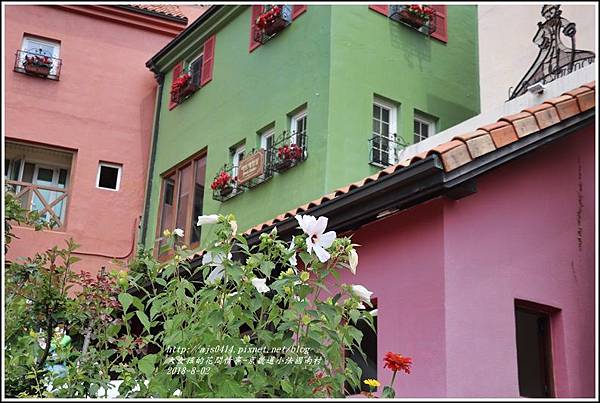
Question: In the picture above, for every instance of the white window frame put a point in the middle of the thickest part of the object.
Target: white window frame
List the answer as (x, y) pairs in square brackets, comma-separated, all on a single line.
[(430, 122), (235, 159), (294, 123), (119, 173), (264, 136), (393, 124), (29, 39)]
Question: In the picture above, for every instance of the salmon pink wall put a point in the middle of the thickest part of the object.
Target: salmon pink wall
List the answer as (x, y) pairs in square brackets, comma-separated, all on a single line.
[(102, 108), (446, 274)]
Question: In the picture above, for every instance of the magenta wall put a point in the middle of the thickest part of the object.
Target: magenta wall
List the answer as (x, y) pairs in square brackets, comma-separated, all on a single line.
[(446, 275), (102, 108)]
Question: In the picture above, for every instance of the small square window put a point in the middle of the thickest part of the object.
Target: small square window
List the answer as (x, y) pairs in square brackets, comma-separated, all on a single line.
[(109, 176)]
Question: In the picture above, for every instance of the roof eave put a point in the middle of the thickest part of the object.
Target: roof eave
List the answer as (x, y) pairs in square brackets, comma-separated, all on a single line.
[(152, 64), (420, 182)]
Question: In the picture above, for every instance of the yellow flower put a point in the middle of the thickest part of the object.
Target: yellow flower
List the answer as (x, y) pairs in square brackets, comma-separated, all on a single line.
[(372, 382), (166, 233)]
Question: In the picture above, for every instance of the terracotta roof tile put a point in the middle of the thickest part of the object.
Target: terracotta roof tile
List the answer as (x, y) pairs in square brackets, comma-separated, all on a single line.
[(171, 10), (463, 148), (545, 115), (480, 145), (586, 100)]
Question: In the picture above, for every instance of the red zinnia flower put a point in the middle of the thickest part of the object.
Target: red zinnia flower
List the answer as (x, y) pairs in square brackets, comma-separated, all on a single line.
[(397, 362)]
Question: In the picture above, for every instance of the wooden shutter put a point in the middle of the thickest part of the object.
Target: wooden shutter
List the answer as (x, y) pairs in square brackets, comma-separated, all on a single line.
[(256, 11), (297, 10), (208, 60), (176, 73), (380, 8), (441, 23)]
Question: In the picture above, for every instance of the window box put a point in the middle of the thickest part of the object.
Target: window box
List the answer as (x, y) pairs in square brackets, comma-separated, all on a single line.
[(419, 17), (182, 88), (272, 21), (224, 185), (38, 65), (289, 151)]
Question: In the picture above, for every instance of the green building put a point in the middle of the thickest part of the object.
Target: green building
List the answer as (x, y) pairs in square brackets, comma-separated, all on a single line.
[(343, 86)]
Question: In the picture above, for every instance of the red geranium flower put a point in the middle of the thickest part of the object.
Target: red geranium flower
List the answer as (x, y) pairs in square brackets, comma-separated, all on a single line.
[(396, 362)]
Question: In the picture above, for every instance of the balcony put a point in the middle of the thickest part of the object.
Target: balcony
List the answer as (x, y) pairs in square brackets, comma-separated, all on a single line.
[(421, 18), (288, 151), (49, 201), (271, 22), (183, 87), (383, 150), (225, 184), (37, 65)]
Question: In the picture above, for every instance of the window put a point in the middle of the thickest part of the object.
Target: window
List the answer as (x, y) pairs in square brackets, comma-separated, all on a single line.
[(109, 176), (298, 127), (424, 127), (267, 139), (534, 357), (43, 51), (195, 69), (237, 154), (383, 140), (369, 346), (39, 177), (182, 199)]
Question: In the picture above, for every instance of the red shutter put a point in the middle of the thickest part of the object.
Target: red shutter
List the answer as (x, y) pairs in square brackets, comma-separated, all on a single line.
[(208, 61), (441, 23), (380, 8), (176, 73), (297, 10), (256, 11)]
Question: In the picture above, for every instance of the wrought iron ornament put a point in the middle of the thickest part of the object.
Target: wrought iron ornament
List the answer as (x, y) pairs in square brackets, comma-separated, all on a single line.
[(555, 59)]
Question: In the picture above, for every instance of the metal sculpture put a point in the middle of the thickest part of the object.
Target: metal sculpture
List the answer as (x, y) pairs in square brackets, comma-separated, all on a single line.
[(555, 59)]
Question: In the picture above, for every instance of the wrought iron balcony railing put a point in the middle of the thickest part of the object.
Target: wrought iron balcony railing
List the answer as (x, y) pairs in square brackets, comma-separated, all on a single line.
[(38, 65), (384, 150), (225, 184), (289, 150), (272, 23), (402, 14), (49, 201)]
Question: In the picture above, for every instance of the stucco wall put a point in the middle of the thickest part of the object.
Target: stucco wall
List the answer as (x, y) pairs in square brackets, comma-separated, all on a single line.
[(506, 50), (102, 109), (446, 274), (334, 58)]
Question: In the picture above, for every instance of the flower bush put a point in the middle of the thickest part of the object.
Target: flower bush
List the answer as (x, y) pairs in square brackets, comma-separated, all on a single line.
[(268, 18), (289, 152), (40, 61), (223, 180), (180, 82), (421, 11)]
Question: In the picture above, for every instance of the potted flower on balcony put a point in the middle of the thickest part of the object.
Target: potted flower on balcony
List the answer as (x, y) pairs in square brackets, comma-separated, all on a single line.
[(415, 15), (223, 184), (182, 87), (287, 156), (273, 20), (35, 64)]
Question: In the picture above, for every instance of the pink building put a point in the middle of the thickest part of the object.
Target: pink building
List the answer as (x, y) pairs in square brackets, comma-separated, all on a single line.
[(79, 118), (480, 253)]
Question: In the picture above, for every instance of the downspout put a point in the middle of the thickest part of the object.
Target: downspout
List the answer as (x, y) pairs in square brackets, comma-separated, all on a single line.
[(160, 78)]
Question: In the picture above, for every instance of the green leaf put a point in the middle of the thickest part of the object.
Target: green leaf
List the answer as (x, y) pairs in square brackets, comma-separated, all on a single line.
[(286, 386), (354, 315), (146, 365), (125, 300), (144, 319), (266, 267), (388, 393)]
